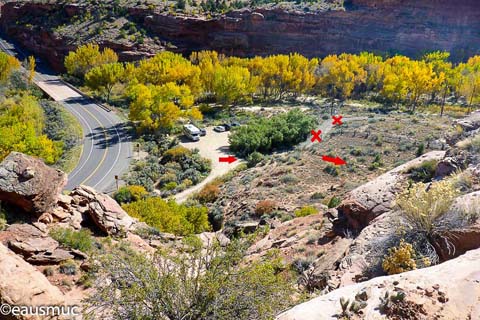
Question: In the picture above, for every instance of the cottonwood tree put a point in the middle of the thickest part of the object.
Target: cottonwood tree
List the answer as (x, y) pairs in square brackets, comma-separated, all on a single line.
[(86, 57), (103, 78)]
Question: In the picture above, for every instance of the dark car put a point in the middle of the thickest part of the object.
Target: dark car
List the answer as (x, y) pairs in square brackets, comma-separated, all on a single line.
[(235, 124), (227, 126), (203, 132)]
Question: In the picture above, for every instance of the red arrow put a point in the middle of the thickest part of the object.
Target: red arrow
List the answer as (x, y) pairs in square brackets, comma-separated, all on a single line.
[(228, 159), (337, 161)]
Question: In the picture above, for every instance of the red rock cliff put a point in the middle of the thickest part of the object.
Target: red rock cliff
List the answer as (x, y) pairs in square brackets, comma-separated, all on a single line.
[(409, 27)]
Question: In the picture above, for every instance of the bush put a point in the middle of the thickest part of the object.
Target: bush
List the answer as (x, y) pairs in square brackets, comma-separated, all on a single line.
[(264, 135), (219, 285), (168, 216), (265, 207), (254, 158), (176, 154), (420, 149), (424, 172), (3, 220), (402, 258), (305, 211), (332, 170), (424, 208), (80, 240), (333, 202), (129, 194), (209, 193), (48, 271), (68, 267)]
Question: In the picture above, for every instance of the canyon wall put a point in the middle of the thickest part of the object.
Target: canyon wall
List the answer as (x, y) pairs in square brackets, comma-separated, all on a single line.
[(409, 27)]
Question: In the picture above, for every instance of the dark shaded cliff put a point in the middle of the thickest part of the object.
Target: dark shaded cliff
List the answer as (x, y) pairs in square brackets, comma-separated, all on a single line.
[(409, 27)]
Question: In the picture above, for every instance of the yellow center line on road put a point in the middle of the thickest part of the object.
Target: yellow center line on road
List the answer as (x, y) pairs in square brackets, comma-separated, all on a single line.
[(104, 153)]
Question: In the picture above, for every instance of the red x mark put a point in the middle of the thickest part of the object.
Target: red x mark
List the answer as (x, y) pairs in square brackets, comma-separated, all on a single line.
[(337, 120), (316, 135)]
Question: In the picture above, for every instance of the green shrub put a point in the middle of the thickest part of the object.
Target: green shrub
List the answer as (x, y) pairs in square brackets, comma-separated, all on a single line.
[(3, 220), (333, 202), (420, 150), (129, 194), (170, 186), (168, 216), (264, 135), (317, 196), (80, 240), (332, 170), (425, 172), (209, 281), (305, 211), (289, 179), (68, 268), (254, 158)]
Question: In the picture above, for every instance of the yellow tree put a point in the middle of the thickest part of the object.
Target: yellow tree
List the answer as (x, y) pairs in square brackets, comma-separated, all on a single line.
[(7, 65), (86, 57), (420, 81), (167, 67), (302, 70), (160, 107), (233, 84), (339, 75), (469, 84), (104, 77), (446, 77), (207, 61), (393, 82), (31, 68)]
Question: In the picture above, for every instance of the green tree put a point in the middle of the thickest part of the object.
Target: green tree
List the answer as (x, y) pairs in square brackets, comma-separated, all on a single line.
[(104, 77)]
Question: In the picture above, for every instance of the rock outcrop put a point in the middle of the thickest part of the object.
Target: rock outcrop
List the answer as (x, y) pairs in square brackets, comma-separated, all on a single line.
[(408, 27), (104, 211), (26, 182), (370, 200), (35, 246), (447, 291), (23, 285)]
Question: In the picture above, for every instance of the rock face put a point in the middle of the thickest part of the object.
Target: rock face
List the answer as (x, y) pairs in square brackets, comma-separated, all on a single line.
[(450, 290), (409, 27), (29, 184), (370, 200), (22, 284), (105, 212), (35, 246)]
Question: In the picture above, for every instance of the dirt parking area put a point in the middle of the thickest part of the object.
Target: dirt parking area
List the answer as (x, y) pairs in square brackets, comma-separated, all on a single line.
[(212, 146)]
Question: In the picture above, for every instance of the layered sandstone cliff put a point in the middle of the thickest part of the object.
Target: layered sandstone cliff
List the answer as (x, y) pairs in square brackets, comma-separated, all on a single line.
[(409, 27)]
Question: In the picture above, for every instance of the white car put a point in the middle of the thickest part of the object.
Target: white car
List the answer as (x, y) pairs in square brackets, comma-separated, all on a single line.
[(219, 129)]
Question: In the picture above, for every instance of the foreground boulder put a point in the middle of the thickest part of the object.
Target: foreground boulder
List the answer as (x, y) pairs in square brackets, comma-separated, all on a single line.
[(23, 285), (374, 198), (104, 211), (29, 184), (450, 290), (34, 245)]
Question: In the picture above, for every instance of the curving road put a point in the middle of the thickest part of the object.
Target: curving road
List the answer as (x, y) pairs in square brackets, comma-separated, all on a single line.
[(107, 147)]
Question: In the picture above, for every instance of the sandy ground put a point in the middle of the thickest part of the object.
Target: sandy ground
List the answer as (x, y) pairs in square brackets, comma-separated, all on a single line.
[(212, 146)]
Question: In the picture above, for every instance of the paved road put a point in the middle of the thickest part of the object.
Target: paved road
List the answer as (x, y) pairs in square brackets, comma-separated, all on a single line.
[(107, 149)]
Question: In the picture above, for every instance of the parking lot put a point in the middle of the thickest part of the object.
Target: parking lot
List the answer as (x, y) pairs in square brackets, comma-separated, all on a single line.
[(212, 146)]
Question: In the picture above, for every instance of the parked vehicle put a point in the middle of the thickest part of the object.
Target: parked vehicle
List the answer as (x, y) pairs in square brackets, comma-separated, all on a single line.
[(191, 132), (227, 126), (235, 124), (219, 129), (203, 132)]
